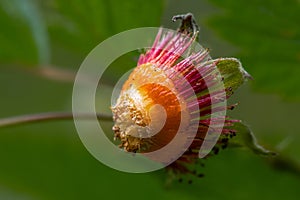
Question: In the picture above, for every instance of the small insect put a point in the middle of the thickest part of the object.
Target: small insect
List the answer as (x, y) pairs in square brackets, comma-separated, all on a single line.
[(170, 91)]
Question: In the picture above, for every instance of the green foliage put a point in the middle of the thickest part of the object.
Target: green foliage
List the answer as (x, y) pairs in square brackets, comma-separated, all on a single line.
[(268, 36), (80, 25), (17, 40), (74, 28)]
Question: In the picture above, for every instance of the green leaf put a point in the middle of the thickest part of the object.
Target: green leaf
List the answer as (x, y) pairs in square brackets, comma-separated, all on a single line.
[(62, 32), (76, 27), (232, 72), (268, 35), (22, 35), (246, 138)]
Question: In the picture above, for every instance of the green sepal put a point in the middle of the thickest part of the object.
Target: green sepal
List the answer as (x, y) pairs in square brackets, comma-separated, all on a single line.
[(245, 138), (232, 72)]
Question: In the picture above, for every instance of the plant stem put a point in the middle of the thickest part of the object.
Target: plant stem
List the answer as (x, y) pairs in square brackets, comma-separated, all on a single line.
[(48, 116)]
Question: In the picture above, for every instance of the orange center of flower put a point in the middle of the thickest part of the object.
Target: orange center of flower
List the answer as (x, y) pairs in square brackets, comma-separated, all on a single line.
[(136, 112)]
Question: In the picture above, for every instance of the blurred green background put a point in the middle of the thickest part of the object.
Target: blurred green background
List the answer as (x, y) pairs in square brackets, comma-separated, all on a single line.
[(42, 44)]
